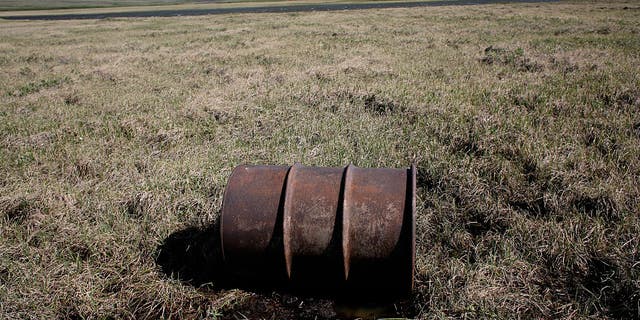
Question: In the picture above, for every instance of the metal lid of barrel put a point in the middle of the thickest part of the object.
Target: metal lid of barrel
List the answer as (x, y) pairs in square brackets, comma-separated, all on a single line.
[(350, 228)]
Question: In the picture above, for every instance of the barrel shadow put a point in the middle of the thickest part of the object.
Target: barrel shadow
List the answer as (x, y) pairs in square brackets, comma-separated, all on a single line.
[(194, 257)]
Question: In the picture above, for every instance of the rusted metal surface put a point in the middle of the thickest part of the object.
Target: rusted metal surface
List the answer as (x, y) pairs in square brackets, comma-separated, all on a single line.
[(311, 225), (375, 206), (350, 228), (251, 226)]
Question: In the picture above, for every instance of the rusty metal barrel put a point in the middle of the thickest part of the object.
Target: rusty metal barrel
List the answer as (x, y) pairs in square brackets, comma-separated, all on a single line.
[(346, 228), (251, 221)]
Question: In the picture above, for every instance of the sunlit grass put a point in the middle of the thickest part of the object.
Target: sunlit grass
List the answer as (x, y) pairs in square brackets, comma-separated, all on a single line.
[(523, 120)]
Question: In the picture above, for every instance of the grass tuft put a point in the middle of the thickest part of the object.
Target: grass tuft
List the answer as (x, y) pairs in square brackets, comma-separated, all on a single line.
[(33, 87), (514, 58)]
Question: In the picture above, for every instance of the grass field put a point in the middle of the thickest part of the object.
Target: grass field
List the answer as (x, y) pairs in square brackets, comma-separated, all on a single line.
[(181, 8), (10, 6), (524, 121), (57, 4)]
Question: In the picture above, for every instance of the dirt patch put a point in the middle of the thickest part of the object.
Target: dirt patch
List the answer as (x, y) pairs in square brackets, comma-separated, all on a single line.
[(467, 144), (380, 106), (260, 306), (565, 64), (138, 206), (69, 310), (600, 286), (527, 185), (165, 138), (515, 58), (479, 223), (425, 180), (80, 251), (532, 206), (620, 98), (602, 137), (5, 275), (597, 206), (530, 101), (133, 127), (71, 98), (18, 209)]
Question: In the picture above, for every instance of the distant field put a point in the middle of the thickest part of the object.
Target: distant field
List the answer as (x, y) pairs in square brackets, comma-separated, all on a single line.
[(117, 136), (13, 5), (56, 4), (179, 10)]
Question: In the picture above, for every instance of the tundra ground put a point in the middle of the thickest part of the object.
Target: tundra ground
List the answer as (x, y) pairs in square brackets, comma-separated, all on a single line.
[(117, 137)]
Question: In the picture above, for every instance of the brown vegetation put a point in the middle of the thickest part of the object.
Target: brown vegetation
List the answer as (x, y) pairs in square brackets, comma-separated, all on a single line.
[(117, 137)]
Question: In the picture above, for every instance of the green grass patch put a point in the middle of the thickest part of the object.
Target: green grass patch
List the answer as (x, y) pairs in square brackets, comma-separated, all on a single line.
[(33, 87)]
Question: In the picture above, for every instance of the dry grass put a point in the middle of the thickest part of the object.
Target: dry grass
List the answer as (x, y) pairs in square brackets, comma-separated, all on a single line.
[(14, 8), (58, 4), (524, 121)]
